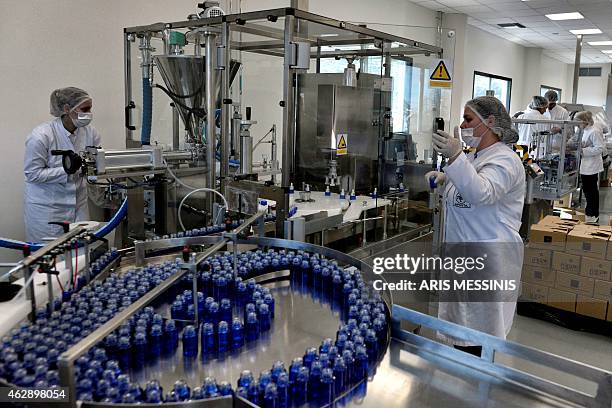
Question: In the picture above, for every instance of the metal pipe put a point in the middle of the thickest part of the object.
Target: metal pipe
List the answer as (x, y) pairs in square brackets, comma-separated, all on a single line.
[(225, 107), (246, 152), (274, 155), (211, 105), (127, 77), (288, 109), (175, 127), (577, 67)]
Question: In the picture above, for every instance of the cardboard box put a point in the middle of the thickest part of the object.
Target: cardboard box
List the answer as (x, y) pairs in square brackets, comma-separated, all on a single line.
[(549, 219), (595, 268), (574, 283), (602, 290), (548, 236), (568, 263), (537, 257), (538, 275), (593, 243), (589, 306), (609, 318), (534, 293), (562, 299)]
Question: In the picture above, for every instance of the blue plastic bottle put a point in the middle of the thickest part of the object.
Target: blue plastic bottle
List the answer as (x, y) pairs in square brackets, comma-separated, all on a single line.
[(223, 337), (253, 392), (170, 338), (339, 376), (309, 356), (361, 364), (213, 316), (294, 369), (252, 327), (209, 387), (326, 387), (300, 388), (277, 369), (181, 389), (246, 378), (124, 350), (264, 318), (270, 399), (190, 341), (208, 339), (349, 362), (282, 387), (155, 342), (225, 388), (237, 334), (176, 310), (314, 381), (226, 310)]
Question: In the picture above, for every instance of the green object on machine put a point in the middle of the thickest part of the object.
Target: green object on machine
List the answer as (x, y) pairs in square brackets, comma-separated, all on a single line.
[(177, 38)]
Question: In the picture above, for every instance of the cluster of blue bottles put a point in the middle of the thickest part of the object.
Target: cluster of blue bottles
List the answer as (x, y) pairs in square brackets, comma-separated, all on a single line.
[(30, 352), (271, 390), (98, 265)]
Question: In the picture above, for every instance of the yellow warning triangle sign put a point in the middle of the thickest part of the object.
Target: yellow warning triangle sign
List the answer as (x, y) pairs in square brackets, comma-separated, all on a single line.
[(440, 73), (342, 143)]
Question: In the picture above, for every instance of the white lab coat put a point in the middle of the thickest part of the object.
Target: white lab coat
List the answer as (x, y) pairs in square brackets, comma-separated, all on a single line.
[(526, 131), (593, 146), (483, 202), (557, 113), (50, 194)]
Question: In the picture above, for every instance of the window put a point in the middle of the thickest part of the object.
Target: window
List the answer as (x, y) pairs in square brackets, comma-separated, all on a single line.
[(590, 71), (545, 88), (497, 86)]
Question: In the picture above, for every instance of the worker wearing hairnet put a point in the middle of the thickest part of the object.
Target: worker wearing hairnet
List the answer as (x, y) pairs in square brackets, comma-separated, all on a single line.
[(483, 199), (51, 195), (528, 133), (555, 111), (591, 163)]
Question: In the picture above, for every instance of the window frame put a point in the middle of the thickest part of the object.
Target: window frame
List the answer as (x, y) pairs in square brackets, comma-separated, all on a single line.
[(493, 76), (554, 88)]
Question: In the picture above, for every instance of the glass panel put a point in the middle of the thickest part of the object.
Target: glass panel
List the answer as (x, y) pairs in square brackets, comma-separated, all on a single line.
[(481, 85), (501, 88)]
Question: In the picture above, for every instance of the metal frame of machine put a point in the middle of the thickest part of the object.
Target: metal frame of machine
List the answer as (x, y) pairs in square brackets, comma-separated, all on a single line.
[(293, 44), (568, 182)]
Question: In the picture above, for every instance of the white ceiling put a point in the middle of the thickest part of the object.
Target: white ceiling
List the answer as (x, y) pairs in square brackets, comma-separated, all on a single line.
[(552, 36)]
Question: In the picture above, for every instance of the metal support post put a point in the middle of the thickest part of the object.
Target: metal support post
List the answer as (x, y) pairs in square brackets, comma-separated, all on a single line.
[(225, 106), (577, 67), (211, 54)]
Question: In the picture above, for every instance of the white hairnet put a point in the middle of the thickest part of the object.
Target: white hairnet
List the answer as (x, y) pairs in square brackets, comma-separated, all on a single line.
[(487, 106), (585, 116), (70, 96), (551, 95), (538, 102)]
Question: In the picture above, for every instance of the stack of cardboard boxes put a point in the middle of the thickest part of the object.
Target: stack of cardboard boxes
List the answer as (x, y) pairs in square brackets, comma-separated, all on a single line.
[(568, 265)]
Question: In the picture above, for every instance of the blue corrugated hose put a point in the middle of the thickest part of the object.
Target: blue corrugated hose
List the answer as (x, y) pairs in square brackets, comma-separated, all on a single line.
[(34, 246)]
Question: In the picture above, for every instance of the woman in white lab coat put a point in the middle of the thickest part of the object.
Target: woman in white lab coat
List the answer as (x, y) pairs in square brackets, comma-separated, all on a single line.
[(483, 203), (591, 163), (50, 194)]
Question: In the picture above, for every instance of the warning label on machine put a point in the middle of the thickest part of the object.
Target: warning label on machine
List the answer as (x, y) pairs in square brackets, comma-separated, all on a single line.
[(342, 146), (440, 76)]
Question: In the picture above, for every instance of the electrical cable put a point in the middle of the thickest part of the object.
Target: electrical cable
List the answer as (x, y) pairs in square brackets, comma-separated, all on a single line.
[(225, 204)]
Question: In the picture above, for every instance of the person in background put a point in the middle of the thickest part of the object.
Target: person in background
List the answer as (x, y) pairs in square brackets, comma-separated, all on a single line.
[(50, 194), (483, 200), (555, 112), (536, 110), (591, 163)]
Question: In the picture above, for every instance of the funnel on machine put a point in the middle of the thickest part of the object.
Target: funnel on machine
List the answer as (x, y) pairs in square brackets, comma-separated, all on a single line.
[(185, 77)]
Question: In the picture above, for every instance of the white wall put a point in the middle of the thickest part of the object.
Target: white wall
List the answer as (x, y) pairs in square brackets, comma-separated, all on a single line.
[(592, 90)]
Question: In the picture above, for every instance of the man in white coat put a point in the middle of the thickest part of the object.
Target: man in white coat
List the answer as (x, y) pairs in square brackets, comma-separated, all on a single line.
[(51, 195), (528, 132), (483, 203)]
